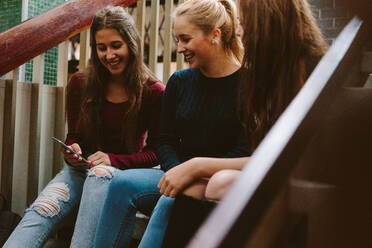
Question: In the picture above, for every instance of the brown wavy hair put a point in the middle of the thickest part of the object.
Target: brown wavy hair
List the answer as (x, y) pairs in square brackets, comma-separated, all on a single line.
[(90, 124), (282, 45), (210, 14)]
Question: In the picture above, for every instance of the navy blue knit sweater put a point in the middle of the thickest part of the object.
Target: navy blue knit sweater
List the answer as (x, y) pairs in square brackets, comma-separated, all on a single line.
[(199, 119)]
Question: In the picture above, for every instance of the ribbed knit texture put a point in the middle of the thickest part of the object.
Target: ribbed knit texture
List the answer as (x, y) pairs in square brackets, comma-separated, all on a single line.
[(199, 119), (113, 114)]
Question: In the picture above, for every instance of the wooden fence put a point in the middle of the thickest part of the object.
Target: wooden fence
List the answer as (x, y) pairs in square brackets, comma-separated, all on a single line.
[(31, 113)]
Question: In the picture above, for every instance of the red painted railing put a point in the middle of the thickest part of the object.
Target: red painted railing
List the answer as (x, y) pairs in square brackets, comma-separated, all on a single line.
[(35, 36)]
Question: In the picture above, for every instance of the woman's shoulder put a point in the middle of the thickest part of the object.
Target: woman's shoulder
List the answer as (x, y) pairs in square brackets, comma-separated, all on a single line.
[(74, 89), (181, 79), (155, 85), (76, 81), (153, 91), (181, 75)]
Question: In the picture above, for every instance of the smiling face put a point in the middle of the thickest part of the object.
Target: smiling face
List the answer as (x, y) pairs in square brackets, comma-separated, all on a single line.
[(193, 43), (112, 51)]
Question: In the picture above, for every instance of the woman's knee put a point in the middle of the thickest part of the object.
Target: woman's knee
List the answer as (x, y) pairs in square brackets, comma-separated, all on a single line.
[(165, 201), (130, 181), (98, 176), (102, 171), (220, 183)]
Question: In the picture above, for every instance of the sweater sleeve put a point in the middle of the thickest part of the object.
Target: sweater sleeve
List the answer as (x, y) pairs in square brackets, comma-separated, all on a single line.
[(146, 157), (168, 139), (241, 148), (73, 104)]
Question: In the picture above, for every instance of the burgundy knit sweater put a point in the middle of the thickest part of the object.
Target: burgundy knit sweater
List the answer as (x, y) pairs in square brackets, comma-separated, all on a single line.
[(113, 140)]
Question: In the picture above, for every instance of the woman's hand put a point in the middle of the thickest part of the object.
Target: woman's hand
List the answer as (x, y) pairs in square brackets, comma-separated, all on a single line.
[(73, 159), (99, 158), (178, 178)]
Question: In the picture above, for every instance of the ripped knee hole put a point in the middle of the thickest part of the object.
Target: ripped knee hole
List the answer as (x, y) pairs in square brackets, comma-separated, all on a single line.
[(101, 171), (48, 202)]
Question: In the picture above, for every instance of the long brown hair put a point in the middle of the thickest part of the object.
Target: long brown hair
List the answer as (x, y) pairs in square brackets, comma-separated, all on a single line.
[(282, 45), (210, 14), (136, 73)]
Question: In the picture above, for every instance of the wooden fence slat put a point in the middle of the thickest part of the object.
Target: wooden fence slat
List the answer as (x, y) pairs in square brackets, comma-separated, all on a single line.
[(60, 128), (12, 75), (47, 127), (167, 51), (180, 58), (34, 155), (21, 148), (38, 69), (140, 20), (8, 137), (62, 64), (84, 49), (155, 6), (59, 96)]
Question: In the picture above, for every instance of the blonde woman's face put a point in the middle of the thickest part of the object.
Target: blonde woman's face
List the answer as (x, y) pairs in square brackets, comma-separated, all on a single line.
[(193, 43)]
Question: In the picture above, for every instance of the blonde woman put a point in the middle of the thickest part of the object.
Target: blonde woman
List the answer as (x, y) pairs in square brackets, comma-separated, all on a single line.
[(283, 44)]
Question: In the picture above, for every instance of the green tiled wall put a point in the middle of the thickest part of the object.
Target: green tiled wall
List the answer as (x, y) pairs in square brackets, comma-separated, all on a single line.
[(35, 8), (10, 13)]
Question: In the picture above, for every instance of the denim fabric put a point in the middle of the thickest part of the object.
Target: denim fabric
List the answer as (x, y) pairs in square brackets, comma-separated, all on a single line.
[(129, 191), (62, 194), (153, 236), (94, 194)]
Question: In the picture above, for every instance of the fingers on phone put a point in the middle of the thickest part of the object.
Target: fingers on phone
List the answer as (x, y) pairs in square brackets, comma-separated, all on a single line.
[(76, 148), (75, 162)]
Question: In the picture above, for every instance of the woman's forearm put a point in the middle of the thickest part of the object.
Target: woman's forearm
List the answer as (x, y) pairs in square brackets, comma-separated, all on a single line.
[(206, 167)]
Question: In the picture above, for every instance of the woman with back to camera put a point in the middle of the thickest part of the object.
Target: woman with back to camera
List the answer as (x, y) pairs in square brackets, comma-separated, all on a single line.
[(109, 110), (199, 118), (283, 44)]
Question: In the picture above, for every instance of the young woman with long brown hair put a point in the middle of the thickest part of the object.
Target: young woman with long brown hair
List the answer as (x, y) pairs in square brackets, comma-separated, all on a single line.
[(282, 45), (110, 108)]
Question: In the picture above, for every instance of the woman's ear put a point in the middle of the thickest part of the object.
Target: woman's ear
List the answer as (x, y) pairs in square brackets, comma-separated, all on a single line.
[(216, 35)]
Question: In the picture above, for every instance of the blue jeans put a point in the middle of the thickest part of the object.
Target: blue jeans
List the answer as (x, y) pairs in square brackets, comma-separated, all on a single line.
[(155, 231), (62, 194), (130, 191)]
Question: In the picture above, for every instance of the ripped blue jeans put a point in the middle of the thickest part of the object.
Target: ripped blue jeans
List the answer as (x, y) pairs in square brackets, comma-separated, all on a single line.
[(71, 186)]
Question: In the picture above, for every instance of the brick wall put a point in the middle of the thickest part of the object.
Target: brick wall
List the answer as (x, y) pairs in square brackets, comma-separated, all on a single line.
[(331, 16)]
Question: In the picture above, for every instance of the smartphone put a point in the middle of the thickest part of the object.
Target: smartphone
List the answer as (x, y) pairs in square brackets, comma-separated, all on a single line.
[(68, 148)]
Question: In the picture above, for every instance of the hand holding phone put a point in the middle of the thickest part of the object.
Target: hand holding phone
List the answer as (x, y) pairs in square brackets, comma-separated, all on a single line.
[(69, 149)]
